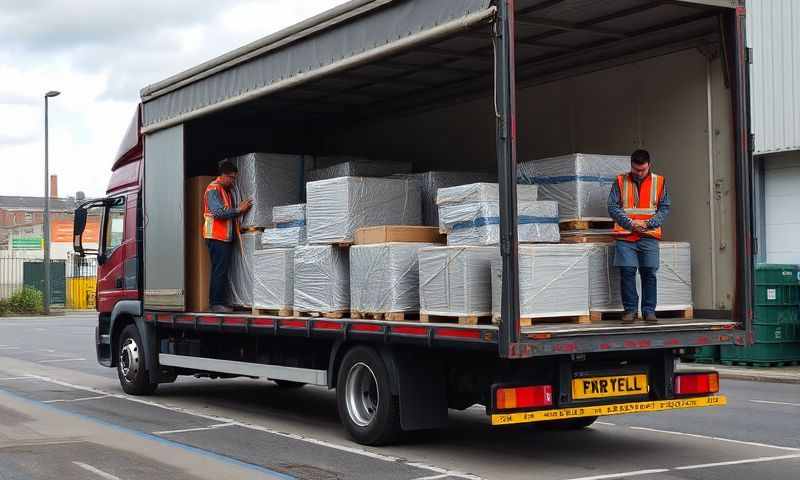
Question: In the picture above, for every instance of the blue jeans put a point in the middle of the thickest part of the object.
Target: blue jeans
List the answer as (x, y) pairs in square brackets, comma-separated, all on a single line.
[(642, 255), (220, 253)]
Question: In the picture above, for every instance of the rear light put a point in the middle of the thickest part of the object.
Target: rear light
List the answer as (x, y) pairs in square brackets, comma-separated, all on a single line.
[(523, 397), (696, 383)]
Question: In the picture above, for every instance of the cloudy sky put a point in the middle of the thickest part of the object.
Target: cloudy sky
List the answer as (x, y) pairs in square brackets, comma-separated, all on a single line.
[(99, 54)]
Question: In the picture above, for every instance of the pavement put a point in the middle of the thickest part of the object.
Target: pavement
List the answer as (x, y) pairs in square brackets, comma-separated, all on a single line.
[(64, 416)]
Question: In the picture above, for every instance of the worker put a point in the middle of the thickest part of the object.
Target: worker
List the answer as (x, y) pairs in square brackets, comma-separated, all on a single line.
[(219, 230), (639, 204)]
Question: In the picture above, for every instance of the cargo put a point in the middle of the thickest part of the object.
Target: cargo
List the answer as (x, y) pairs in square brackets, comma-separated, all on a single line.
[(579, 182), (482, 192), (240, 277), (674, 276), (478, 223), (334, 167), (198, 261), (337, 207), (268, 179), (456, 281), (384, 277), (604, 279), (430, 182), (290, 227), (553, 281), (398, 233), (321, 278), (273, 279)]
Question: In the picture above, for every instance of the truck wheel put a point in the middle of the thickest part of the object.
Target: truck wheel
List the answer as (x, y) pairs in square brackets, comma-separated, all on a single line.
[(567, 424), (131, 366), (367, 408), (288, 384)]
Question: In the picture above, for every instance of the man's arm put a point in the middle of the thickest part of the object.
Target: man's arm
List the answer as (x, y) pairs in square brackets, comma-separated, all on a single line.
[(663, 209), (615, 210), (217, 208)]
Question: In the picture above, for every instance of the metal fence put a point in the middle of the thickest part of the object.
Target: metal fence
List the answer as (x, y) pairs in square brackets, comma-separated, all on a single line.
[(72, 281)]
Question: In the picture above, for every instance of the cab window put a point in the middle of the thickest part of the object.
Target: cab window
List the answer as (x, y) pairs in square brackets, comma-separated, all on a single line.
[(115, 225)]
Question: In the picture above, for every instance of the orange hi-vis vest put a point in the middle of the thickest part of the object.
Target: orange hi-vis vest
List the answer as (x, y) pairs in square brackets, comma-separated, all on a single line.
[(217, 228), (639, 203)]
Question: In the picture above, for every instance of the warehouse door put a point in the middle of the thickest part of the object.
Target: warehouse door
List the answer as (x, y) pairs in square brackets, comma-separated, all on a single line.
[(782, 207)]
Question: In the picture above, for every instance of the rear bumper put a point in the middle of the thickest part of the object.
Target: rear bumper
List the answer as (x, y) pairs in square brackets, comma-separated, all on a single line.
[(612, 409)]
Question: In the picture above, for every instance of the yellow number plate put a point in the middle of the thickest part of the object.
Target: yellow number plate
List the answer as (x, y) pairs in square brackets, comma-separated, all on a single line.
[(614, 386)]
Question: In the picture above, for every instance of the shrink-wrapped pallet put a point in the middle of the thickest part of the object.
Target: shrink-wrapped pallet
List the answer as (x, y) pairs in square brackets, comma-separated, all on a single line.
[(337, 207), (482, 192), (321, 279), (553, 281), (241, 272), (430, 182), (456, 281), (290, 227), (268, 179), (273, 279), (384, 277), (579, 182), (604, 279), (674, 276), (355, 167), (478, 223)]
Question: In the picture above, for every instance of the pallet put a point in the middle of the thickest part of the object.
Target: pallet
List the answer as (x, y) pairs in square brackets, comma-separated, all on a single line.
[(760, 363), (686, 314), (586, 225), (273, 312), (530, 321), (391, 316), (461, 320), (251, 229), (579, 238), (334, 314)]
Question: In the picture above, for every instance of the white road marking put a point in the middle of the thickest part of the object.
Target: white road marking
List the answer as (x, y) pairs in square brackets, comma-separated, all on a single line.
[(96, 471), (75, 399), (608, 424), (48, 350), (294, 436), (719, 439), (776, 403), (198, 429), (9, 348), (63, 360), (434, 477), (623, 474), (739, 462), (18, 378)]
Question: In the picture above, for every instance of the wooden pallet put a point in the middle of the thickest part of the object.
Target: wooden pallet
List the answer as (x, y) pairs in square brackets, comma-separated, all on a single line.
[(251, 229), (530, 321), (392, 316), (274, 312), (579, 238), (335, 314), (461, 320), (686, 314), (567, 225)]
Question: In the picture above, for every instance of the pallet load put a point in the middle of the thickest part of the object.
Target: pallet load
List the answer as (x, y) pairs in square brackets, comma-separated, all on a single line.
[(479, 223), (321, 281), (273, 281), (290, 227), (241, 273), (269, 179), (334, 167), (455, 283), (480, 192), (604, 280), (335, 208), (674, 278), (553, 281), (579, 182), (384, 280), (429, 184)]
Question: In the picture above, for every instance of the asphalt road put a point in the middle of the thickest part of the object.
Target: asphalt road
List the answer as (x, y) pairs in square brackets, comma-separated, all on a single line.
[(63, 416)]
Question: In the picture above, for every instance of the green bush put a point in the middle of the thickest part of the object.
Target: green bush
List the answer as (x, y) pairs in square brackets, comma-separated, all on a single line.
[(27, 300)]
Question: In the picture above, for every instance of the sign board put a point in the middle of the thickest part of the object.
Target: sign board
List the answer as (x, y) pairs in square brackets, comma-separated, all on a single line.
[(27, 243), (61, 231)]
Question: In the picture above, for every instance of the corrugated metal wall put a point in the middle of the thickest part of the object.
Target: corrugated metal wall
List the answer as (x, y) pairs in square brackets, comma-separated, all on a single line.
[(773, 30)]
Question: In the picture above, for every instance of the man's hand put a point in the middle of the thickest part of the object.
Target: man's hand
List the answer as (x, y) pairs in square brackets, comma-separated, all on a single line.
[(640, 226), (245, 205)]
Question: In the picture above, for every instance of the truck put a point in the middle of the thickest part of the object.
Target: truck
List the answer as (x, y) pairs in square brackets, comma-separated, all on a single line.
[(452, 85)]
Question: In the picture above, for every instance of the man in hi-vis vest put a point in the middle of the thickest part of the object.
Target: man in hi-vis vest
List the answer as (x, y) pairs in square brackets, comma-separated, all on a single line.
[(639, 204), (219, 230)]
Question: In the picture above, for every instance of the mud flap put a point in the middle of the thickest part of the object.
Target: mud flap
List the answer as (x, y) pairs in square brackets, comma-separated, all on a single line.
[(422, 386)]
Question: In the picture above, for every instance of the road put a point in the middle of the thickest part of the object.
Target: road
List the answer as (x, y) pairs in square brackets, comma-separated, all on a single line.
[(63, 416)]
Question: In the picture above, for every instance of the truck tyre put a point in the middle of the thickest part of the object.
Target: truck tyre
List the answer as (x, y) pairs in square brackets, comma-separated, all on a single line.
[(367, 407), (131, 364), (288, 384), (567, 424)]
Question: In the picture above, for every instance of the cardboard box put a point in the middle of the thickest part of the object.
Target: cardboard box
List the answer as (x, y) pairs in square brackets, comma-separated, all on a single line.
[(398, 233), (198, 262)]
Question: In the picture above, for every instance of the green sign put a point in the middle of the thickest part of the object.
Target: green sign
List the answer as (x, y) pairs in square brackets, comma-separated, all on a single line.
[(27, 243)]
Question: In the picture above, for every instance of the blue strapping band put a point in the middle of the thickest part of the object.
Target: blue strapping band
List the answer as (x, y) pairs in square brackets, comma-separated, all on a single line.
[(536, 180), (521, 220), (295, 223)]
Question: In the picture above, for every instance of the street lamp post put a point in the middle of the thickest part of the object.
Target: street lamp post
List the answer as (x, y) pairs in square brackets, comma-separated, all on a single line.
[(46, 214)]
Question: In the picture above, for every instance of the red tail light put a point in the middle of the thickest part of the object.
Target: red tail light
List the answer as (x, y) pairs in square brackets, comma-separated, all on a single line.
[(523, 397), (696, 383)]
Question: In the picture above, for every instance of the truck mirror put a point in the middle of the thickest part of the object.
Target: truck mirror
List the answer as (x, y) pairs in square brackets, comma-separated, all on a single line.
[(79, 225)]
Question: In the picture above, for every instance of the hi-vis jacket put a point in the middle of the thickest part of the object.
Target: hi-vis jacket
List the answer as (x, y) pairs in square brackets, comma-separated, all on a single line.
[(639, 203), (216, 228)]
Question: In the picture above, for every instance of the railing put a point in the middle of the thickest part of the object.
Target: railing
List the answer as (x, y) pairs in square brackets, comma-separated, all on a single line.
[(72, 281)]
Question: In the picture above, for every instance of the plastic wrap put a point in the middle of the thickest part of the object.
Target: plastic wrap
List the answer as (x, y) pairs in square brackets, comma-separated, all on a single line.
[(553, 281), (430, 182), (456, 281), (384, 277), (579, 182), (355, 167), (293, 214), (240, 277), (321, 278), (273, 278), (290, 227), (478, 223), (604, 279), (674, 276), (268, 179), (337, 207), (482, 192)]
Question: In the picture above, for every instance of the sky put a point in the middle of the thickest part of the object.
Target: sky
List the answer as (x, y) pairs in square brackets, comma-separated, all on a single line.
[(100, 54)]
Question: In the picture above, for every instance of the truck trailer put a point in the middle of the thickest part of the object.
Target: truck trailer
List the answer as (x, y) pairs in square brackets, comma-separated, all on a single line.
[(459, 85)]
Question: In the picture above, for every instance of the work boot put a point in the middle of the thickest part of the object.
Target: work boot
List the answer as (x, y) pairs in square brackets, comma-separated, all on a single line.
[(650, 317), (628, 318)]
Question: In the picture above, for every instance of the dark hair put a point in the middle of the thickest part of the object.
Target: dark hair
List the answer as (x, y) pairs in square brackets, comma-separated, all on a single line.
[(226, 168), (640, 157)]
